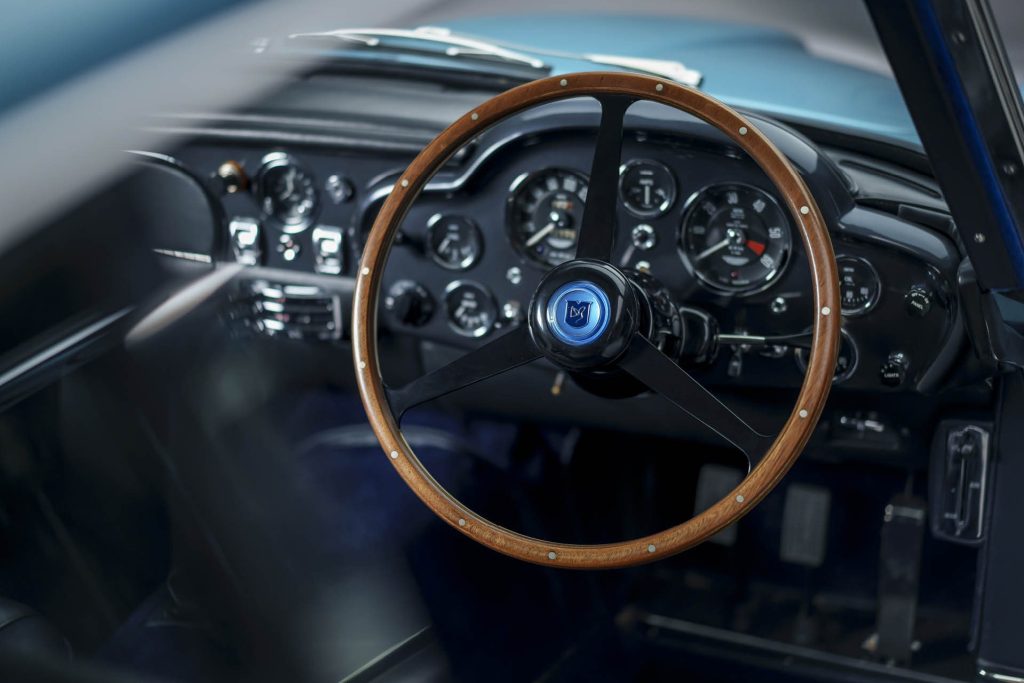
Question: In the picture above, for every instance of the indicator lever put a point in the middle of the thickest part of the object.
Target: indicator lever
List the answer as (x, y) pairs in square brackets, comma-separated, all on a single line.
[(802, 340)]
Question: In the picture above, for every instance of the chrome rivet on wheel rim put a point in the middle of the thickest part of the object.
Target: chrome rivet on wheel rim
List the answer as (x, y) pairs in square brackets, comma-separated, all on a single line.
[(552, 555)]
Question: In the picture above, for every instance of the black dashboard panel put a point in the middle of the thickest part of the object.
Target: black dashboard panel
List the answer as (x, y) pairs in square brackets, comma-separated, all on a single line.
[(906, 340)]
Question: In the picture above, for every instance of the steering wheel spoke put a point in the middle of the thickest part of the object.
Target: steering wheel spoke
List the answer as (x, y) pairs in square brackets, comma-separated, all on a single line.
[(598, 226), (510, 350), (656, 370), (585, 316)]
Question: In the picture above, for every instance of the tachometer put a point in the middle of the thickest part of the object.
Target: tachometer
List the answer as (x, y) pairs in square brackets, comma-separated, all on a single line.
[(736, 238), (544, 214)]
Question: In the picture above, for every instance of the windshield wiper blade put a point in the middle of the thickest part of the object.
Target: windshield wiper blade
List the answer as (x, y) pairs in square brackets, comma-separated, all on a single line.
[(406, 39), (663, 68), (456, 45), (666, 68)]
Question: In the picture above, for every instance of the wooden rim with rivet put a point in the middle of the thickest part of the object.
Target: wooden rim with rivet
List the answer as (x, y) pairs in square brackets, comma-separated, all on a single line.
[(787, 445)]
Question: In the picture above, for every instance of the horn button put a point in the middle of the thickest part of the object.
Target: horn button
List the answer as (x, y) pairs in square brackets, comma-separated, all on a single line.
[(584, 314)]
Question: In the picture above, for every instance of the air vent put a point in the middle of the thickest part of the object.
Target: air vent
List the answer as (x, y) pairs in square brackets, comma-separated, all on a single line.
[(294, 311)]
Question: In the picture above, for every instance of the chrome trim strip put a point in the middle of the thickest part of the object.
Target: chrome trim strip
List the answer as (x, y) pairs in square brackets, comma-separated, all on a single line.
[(455, 45), (69, 342), (694, 631), (184, 255), (1002, 678)]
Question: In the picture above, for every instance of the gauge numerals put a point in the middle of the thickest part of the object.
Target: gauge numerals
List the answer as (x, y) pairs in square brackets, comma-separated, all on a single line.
[(454, 242), (544, 214), (736, 238), (647, 188), (860, 286), (286, 192), (470, 308)]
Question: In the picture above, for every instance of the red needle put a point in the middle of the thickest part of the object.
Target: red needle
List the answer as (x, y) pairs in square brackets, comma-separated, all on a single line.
[(756, 247)]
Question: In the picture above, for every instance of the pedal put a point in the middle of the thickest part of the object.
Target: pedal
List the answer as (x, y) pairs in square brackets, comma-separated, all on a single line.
[(714, 483), (899, 576), (805, 525)]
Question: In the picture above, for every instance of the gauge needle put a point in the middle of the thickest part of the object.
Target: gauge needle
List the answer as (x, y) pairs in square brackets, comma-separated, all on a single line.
[(290, 183), (540, 234), (713, 248)]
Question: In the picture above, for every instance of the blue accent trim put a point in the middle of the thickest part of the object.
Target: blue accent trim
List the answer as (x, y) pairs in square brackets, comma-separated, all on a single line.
[(971, 133), (592, 308)]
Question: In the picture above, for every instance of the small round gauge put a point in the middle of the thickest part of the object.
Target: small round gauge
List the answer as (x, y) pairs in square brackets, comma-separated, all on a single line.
[(454, 242), (647, 187), (736, 238), (544, 213), (860, 286), (846, 360), (287, 192), (470, 308)]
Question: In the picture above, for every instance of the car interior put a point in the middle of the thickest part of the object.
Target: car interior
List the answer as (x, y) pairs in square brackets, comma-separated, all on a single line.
[(513, 343)]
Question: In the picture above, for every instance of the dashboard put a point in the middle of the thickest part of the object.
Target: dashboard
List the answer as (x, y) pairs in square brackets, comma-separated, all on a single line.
[(693, 212)]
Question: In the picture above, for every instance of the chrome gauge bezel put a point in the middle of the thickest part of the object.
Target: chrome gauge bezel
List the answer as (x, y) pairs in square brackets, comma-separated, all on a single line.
[(747, 290), (467, 262), (799, 355), (869, 306), (664, 207), (276, 160), (513, 191), (476, 332)]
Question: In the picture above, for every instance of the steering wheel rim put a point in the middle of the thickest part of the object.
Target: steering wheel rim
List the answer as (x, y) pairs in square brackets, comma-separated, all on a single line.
[(615, 92)]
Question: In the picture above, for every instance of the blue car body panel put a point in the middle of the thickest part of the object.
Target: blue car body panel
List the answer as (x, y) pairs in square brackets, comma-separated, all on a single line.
[(750, 67)]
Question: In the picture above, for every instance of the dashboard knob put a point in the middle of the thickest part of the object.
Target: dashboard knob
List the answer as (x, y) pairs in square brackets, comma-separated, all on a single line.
[(644, 237), (232, 177), (918, 301), (409, 303), (894, 370)]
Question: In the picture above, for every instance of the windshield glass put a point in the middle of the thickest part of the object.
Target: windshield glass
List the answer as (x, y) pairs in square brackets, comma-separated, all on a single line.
[(784, 57)]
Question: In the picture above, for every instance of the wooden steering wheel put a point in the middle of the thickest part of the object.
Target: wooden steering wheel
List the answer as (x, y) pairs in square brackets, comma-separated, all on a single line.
[(613, 332)]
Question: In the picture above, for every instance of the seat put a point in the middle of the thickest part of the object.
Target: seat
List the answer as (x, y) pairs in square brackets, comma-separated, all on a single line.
[(23, 630)]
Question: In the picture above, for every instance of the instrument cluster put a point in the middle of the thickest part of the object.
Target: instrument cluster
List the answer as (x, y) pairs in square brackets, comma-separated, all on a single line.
[(734, 237), (707, 226), (700, 220)]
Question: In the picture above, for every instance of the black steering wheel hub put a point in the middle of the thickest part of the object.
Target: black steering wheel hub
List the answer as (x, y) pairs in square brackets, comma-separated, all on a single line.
[(584, 314)]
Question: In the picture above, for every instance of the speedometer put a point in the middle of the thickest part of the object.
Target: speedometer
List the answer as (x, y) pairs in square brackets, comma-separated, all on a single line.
[(544, 214), (736, 238)]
